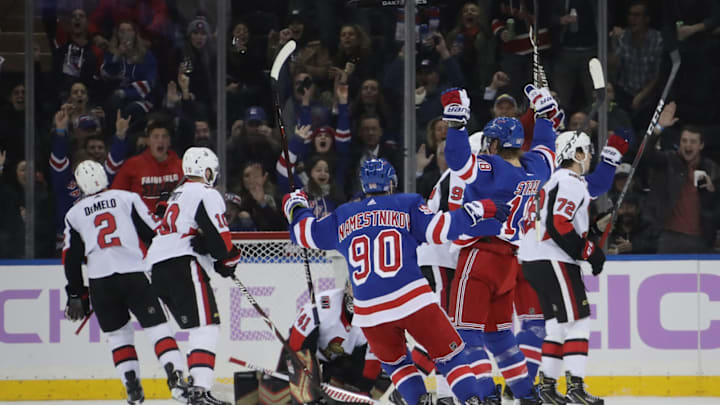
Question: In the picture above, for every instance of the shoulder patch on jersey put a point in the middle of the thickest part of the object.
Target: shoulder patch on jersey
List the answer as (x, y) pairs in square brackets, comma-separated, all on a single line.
[(484, 165), (425, 209), (325, 302), (371, 202)]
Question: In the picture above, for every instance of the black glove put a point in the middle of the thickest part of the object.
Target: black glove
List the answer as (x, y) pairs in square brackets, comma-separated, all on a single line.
[(198, 245), (223, 270), (595, 256), (162, 204), (78, 303)]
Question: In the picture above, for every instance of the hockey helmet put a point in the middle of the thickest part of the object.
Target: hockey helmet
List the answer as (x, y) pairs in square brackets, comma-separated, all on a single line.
[(509, 131), (377, 176), (90, 177), (478, 143), (197, 161), (567, 144)]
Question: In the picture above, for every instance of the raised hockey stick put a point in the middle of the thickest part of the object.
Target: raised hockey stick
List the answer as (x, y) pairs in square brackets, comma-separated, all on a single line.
[(675, 58), (333, 392), (539, 77), (85, 320), (280, 60)]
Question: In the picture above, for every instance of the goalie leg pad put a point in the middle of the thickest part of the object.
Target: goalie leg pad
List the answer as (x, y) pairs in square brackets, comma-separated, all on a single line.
[(304, 388)]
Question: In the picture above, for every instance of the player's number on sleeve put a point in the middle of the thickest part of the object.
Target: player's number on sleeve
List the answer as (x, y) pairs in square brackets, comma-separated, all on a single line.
[(168, 221), (384, 257), (107, 225)]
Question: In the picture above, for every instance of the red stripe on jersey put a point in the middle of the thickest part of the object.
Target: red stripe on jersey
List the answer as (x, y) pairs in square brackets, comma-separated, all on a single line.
[(453, 206), (469, 171), (201, 358), (575, 346), (481, 369), (437, 232), (227, 239), (532, 354), (423, 289), (547, 150), (64, 252), (165, 345), (205, 297), (570, 289), (123, 354), (458, 373), (552, 349), (562, 224), (303, 239), (516, 371), (403, 372), (372, 369)]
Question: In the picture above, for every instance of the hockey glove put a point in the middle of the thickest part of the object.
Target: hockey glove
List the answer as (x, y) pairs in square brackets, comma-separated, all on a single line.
[(78, 303), (456, 107), (616, 147), (223, 270), (162, 204), (297, 198), (485, 209), (544, 105), (594, 256)]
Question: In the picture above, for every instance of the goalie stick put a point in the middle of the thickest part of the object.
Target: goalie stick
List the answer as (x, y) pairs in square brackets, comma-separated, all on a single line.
[(332, 391), (277, 65), (675, 58)]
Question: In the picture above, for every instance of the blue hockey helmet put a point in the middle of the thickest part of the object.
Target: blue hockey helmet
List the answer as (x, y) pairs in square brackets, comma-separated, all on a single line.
[(376, 176), (509, 131)]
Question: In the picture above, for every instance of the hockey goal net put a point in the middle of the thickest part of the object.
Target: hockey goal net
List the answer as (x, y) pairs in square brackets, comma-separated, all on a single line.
[(272, 268)]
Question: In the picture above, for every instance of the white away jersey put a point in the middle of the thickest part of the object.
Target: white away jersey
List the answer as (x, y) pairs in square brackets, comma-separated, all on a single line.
[(191, 207), (564, 205), (337, 336), (441, 199), (108, 225)]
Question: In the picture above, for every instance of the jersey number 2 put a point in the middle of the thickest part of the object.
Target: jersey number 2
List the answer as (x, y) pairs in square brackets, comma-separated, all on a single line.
[(385, 257), (107, 223)]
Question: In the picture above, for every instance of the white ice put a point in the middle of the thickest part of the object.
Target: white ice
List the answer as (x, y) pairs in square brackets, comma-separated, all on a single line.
[(608, 401)]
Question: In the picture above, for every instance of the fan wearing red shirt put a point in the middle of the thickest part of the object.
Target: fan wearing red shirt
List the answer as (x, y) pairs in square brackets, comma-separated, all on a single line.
[(157, 170)]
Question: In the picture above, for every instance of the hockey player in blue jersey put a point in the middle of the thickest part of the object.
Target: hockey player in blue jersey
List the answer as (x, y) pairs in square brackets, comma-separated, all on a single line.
[(378, 236), (481, 303)]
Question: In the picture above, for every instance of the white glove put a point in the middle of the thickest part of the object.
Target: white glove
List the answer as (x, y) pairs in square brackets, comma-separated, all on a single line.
[(297, 198)]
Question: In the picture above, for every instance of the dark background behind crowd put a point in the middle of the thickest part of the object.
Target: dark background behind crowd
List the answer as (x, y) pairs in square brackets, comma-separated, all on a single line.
[(132, 84)]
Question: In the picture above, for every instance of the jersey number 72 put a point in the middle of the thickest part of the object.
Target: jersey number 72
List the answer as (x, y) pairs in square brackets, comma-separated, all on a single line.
[(383, 255)]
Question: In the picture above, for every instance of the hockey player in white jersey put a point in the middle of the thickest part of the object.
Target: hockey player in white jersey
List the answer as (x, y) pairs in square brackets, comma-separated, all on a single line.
[(109, 227), (551, 252), (195, 211)]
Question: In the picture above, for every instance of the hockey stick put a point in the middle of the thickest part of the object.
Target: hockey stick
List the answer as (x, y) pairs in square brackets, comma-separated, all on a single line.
[(333, 392), (280, 60), (539, 77), (87, 318), (675, 58)]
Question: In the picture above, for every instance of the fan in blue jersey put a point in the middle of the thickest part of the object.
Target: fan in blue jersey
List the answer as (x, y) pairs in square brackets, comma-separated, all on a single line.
[(378, 236), (481, 302)]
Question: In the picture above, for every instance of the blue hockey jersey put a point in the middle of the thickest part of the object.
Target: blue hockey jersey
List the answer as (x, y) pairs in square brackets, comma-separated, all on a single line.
[(490, 176), (378, 237)]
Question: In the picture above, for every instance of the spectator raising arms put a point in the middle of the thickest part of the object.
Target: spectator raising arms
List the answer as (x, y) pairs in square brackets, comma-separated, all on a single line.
[(74, 55), (155, 171), (258, 203)]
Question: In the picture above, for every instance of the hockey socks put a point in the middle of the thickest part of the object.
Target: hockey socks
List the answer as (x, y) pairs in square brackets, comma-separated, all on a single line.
[(123, 352), (530, 340), (166, 348), (552, 349), (575, 347), (201, 355), (406, 378), (478, 360), (510, 361)]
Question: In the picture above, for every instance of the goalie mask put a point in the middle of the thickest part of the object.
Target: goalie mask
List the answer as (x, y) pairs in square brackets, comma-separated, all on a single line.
[(201, 162), (90, 177), (567, 145)]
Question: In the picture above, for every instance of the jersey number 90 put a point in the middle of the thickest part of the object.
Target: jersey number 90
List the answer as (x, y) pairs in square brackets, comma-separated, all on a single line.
[(383, 256)]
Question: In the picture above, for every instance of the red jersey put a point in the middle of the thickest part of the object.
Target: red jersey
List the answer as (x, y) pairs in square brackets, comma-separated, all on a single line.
[(144, 175)]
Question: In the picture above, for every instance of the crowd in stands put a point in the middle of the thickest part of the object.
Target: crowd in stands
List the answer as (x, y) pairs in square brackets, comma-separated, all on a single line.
[(133, 84)]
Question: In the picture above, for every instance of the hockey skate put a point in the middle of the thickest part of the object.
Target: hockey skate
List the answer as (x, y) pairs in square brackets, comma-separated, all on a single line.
[(532, 399), (176, 383), (507, 395), (449, 401), (548, 391), (473, 400), (425, 399), (201, 396), (396, 399), (495, 398), (576, 393), (134, 389)]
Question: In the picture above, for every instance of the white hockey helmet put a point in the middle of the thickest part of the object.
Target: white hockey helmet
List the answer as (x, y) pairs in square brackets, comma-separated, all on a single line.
[(90, 177), (198, 160), (478, 143), (567, 144)]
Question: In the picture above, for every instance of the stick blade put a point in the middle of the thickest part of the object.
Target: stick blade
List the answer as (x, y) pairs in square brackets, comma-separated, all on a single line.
[(281, 57), (596, 73)]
